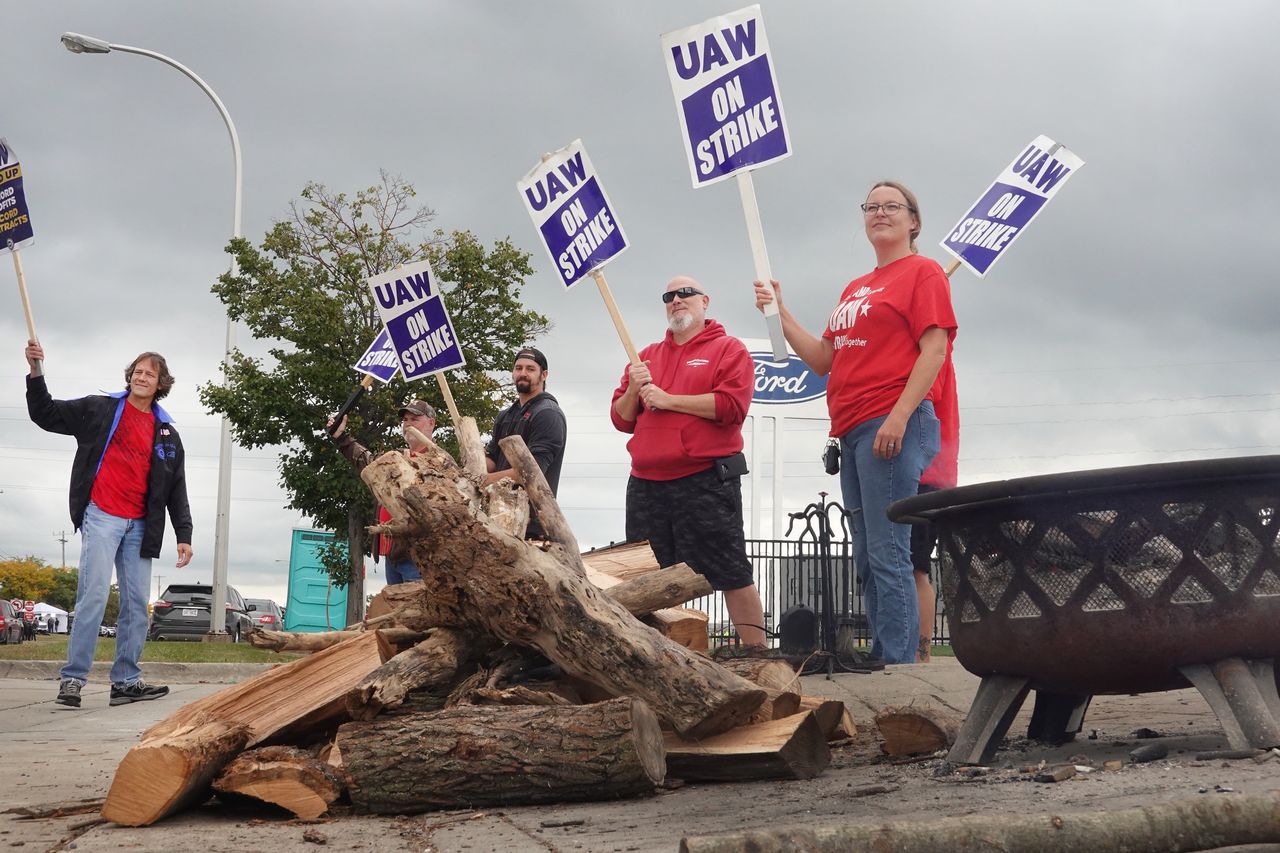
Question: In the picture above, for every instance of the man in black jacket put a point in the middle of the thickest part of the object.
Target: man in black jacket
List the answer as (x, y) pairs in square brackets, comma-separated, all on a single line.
[(129, 469), (536, 417)]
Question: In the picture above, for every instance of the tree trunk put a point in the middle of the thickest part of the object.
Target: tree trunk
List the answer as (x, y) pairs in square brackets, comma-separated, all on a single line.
[(543, 500), (791, 748), (284, 776), (1203, 823), (433, 661), (470, 448), (478, 756), (296, 641), (661, 589), (355, 586), (165, 774), (483, 579), (508, 507), (913, 729)]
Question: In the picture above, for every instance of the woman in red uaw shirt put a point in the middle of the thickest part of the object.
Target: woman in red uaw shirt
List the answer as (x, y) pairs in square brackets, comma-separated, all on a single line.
[(884, 347)]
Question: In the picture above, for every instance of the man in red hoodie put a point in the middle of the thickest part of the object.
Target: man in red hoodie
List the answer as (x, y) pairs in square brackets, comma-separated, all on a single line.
[(684, 405)]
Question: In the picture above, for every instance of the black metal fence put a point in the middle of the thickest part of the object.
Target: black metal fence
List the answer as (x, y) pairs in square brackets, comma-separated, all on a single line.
[(788, 573)]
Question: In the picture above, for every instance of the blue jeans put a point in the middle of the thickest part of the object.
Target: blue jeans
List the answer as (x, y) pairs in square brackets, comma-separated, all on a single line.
[(882, 549), (402, 571), (106, 539)]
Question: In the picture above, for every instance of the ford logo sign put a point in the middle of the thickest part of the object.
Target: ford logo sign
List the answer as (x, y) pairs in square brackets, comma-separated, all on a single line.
[(785, 382)]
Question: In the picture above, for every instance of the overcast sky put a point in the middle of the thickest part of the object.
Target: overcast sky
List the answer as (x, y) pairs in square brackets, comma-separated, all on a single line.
[(1132, 323)]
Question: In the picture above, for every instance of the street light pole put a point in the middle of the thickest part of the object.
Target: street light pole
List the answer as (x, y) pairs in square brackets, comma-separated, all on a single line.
[(77, 43)]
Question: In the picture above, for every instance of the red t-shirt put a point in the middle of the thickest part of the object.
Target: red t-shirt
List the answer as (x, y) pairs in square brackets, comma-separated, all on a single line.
[(875, 330), (120, 489)]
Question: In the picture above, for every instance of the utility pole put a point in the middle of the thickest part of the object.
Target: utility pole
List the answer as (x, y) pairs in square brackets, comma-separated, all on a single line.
[(158, 587), (62, 537)]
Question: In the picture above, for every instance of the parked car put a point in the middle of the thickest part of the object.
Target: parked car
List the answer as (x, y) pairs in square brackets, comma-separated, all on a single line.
[(106, 630), (182, 613), (10, 623), (266, 613)]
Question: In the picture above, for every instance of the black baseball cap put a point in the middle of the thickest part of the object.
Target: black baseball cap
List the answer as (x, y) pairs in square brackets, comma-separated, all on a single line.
[(534, 355)]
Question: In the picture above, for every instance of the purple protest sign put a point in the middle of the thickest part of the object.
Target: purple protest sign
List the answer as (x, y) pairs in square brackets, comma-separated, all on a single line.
[(569, 208), (726, 95), (416, 320), (1016, 196), (379, 360), (15, 222)]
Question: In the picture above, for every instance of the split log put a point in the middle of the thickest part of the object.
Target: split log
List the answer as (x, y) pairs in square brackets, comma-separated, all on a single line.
[(624, 562), (682, 625), (167, 773), (833, 717), (284, 776), (483, 579), (1203, 823), (779, 681), (790, 748), (296, 641), (179, 756), (433, 661), (914, 729), (477, 756)]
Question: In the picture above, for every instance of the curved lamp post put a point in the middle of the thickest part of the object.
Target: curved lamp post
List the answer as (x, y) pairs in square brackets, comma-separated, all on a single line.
[(77, 43)]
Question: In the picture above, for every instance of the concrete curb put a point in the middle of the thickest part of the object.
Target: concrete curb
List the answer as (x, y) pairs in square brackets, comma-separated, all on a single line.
[(160, 672)]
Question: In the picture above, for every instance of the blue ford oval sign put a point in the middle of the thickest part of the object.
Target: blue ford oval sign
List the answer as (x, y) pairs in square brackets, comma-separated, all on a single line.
[(779, 383)]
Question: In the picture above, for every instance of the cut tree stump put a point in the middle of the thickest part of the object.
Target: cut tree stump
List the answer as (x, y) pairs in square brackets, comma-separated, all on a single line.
[(914, 729), (476, 756), (790, 748), (285, 776), (833, 717), (179, 756), (1203, 823), (485, 580)]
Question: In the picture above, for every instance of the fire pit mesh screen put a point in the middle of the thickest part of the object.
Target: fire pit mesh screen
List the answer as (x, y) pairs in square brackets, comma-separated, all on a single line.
[(1141, 548)]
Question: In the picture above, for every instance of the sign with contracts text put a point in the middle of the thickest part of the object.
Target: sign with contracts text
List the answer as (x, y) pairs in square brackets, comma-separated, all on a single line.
[(1005, 210), (379, 360), (572, 213), (15, 222), (726, 95), (413, 311)]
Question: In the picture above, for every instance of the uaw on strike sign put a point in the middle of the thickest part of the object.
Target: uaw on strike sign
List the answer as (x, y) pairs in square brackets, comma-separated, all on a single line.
[(726, 95), (1010, 203), (413, 311), (15, 222), (571, 212), (379, 360)]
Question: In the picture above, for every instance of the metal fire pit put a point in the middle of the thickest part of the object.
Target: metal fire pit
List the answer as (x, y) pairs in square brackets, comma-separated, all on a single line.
[(1122, 580)]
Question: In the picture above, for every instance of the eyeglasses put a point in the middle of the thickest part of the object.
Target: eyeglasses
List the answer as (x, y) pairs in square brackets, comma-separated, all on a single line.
[(889, 209), (682, 292)]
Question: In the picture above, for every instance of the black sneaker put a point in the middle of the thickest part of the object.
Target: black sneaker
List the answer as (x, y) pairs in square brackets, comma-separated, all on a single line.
[(139, 691), (68, 693)]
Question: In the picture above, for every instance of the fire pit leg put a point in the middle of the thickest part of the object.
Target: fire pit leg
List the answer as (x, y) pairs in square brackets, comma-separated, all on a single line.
[(1057, 717), (1264, 672), (996, 704), (1240, 700)]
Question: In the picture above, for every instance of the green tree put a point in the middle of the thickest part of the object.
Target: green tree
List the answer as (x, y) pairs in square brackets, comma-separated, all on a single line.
[(28, 578), (63, 592), (305, 291)]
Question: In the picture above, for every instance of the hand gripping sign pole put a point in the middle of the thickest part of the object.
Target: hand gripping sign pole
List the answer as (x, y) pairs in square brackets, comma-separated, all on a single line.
[(379, 363), (1003, 212), (731, 118), (575, 221), (15, 228)]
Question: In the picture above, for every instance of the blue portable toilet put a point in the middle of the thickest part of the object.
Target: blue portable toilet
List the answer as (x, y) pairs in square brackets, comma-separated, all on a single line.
[(309, 586)]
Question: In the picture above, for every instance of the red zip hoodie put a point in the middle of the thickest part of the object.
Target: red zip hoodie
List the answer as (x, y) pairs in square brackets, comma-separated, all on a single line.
[(670, 445)]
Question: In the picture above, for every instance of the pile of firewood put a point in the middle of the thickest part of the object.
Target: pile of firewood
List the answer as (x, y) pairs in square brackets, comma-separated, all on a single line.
[(514, 673)]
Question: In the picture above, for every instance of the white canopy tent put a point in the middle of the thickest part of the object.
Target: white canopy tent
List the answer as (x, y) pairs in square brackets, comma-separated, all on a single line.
[(57, 612)]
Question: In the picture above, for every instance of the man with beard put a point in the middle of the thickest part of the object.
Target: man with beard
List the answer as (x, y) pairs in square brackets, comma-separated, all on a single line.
[(536, 417), (684, 405)]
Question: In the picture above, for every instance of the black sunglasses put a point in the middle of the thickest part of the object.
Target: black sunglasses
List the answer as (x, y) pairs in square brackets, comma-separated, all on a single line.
[(682, 292)]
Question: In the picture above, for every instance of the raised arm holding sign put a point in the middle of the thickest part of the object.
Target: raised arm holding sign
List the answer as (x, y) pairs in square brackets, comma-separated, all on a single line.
[(576, 224), (16, 231), (731, 118)]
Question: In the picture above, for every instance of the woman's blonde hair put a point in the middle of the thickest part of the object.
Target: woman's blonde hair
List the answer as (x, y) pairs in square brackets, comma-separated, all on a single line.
[(912, 205)]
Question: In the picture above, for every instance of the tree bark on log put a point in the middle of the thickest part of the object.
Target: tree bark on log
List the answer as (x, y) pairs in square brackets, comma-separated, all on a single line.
[(295, 641), (164, 774), (655, 591), (470, 447), (284, 776), (433, 661), (485, 579), (508, 507), (477, 756), (1204, 823), (913, 729), (790, 748), (542, 499)]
